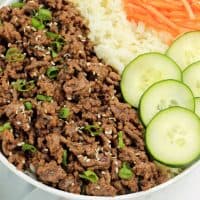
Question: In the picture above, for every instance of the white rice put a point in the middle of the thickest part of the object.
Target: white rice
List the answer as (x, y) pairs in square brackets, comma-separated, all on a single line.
[(117, 41)]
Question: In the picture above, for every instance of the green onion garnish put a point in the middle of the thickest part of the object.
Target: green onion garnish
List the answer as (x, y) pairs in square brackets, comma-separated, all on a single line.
[(57, 46), (64, 113), (5, 126), (125, 172), (90, 176), (120, 140), (17, 5), (53, 36), (53, 53), (52, 72), (94, 130), (64, 160), (41, 97), (28, 105), (37, 23), (21, 85), (44, 15), (28, 147), (14, 55)]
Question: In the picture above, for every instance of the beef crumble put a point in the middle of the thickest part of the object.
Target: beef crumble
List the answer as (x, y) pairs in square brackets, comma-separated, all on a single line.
[(61, 108)]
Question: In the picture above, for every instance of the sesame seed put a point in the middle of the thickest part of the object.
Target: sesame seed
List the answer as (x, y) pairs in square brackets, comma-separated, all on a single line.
[(85, 158), (32, 168), (53, 63), (18, 123), (112, 97), (108, 132), (112, 118), (88, 63), (45, 150), (67, 55), (99, 116)]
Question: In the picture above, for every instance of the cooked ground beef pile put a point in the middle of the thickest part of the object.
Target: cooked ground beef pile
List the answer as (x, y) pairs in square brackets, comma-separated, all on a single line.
[(63, 118)]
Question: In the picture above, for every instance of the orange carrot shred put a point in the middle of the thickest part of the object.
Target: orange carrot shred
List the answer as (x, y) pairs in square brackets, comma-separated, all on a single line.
[(172, 16), (188, 9)]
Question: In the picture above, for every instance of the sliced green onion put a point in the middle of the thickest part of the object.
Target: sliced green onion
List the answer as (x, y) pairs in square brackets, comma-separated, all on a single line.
[(28, 105), (5, 126), (120, 140), (37, 23), (14, 55), (21, 85), (41, 97), (28, 147), (53, 36), (1, 70), (44, 14), (53, 54), (90, 176), (57, 46), (125, 172), (94, 130), (64, 160), (64, 113), (52, 72), (17, 5)]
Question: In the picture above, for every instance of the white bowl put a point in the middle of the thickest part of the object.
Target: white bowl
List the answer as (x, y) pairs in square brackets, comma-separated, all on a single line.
[(69, 196)]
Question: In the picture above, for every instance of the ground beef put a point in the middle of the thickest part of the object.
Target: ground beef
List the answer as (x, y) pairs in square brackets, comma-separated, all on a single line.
[(63, 148)]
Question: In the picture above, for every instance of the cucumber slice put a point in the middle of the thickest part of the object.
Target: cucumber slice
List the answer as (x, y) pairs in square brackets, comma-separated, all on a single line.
[(173, 137), (145, 70), (186, 49), (197, 106), (191, 77), (162, 95)]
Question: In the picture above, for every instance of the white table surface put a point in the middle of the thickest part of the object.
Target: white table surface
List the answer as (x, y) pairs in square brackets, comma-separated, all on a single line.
[(13, 188)]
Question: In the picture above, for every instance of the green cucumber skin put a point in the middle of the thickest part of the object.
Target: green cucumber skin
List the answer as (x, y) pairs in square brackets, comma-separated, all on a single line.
[(188, 68), (140, 115), (197, 99), (165, 163), (174, 42), (141, 55), (167, 51)]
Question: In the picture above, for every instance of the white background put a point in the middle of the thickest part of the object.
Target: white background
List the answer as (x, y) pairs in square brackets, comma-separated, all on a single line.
[(13, 188)]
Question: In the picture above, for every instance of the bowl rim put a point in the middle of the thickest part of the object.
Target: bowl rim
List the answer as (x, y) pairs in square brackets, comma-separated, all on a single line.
[(72, 196)]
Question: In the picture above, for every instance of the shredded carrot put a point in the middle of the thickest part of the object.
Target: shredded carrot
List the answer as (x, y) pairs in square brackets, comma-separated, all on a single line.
[(172, 16), (188, 9)]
